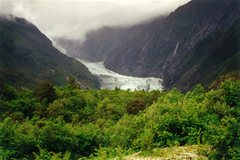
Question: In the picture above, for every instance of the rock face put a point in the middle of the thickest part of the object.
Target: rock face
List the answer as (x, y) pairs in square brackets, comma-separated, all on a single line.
[(28, 56), (187, 47)]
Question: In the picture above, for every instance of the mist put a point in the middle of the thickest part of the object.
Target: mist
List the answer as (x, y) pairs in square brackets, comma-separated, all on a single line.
[(72, 19)]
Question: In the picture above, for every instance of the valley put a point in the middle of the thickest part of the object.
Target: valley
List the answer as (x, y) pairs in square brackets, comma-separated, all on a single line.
[(80, 86), (191, 45)]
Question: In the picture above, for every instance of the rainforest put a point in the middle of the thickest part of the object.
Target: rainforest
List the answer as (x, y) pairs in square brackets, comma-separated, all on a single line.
[(67, 122)]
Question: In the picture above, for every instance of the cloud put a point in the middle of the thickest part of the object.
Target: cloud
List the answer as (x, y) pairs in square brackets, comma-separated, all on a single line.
[(73, 18)]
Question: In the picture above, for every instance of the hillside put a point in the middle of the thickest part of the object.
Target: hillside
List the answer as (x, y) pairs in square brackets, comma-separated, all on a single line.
[(163, 46), (27, 56)]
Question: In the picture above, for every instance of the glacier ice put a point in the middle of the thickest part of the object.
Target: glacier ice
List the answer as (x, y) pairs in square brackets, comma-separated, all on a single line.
[(110, 80)]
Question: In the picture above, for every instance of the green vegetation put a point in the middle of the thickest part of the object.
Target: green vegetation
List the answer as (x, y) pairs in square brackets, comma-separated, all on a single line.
[(71, 123)]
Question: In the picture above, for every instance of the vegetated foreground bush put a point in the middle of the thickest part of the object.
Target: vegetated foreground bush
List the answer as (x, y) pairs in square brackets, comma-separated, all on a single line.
[(74, 123)]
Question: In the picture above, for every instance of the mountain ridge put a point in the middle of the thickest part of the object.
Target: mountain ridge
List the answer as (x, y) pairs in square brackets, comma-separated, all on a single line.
[(28, 56)]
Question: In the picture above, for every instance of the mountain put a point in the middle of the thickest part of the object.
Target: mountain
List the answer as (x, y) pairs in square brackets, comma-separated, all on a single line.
[(215, 55), (187, 47), (28, 56), (98, 44)]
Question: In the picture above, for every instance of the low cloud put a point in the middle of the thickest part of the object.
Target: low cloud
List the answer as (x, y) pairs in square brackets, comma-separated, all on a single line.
[(73, 18)]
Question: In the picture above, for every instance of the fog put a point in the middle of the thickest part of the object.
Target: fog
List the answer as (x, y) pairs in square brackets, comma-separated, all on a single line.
[(73, 18)]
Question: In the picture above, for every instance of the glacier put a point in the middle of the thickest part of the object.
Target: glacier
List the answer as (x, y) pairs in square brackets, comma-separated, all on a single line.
[(110, 80)]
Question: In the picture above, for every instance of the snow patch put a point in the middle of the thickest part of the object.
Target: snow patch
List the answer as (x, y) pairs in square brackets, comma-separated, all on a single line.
[(110, 79)]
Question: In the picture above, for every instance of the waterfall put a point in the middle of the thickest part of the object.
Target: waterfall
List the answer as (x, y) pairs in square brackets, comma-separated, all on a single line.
[(174, 53), (164, 67), (175, 50)]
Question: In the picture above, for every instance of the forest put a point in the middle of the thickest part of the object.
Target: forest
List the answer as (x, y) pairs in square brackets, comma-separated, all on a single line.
[(67, 122)]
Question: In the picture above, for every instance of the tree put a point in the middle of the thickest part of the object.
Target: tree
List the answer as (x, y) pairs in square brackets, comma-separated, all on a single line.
[(73, 82), (135, 106), (233, 76), (45, 92), (8, 92)]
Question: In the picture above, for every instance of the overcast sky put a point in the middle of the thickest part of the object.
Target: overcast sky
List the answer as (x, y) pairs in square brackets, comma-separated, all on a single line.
[(73, 18)]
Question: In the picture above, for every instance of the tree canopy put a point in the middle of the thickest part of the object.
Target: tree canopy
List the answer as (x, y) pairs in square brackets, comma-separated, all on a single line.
[(65, 122)]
